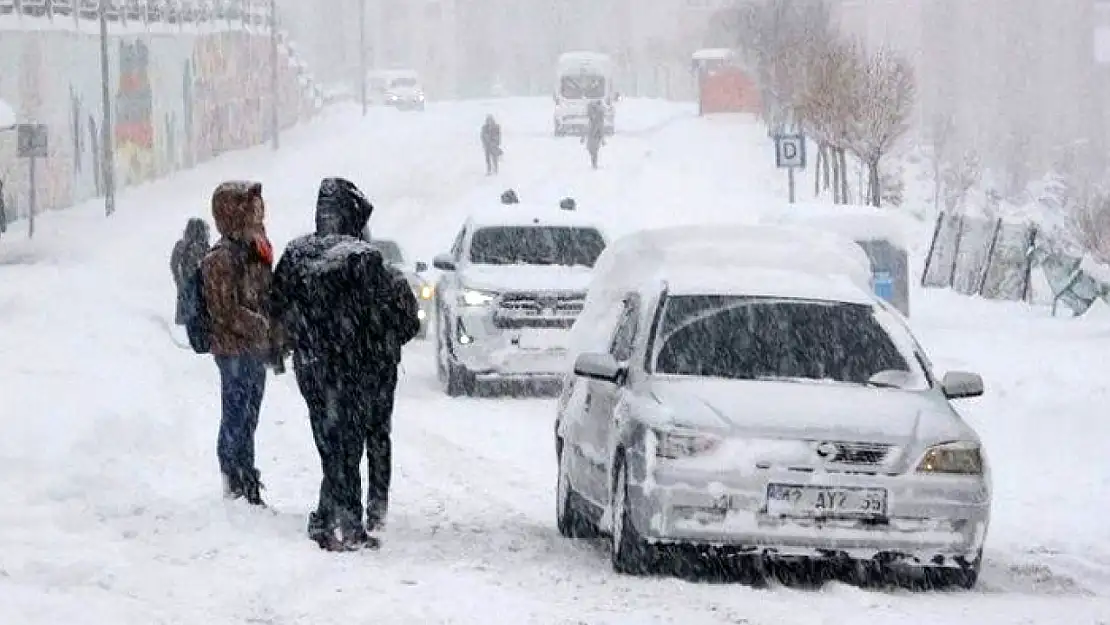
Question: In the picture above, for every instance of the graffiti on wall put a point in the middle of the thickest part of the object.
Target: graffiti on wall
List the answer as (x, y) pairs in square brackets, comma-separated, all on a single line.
[(134, 108), (177, 100)]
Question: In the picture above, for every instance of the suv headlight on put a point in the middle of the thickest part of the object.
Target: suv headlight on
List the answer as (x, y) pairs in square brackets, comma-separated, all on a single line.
[(471, 297), (684, 443), (960, 458), (426, 291)]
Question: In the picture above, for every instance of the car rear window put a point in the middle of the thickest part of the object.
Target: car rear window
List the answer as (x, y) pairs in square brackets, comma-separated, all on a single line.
[(536, 245)]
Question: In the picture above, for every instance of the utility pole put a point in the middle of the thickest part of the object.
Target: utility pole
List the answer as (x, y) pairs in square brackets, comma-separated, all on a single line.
[(107, 130), (362, 54), (275, 87)]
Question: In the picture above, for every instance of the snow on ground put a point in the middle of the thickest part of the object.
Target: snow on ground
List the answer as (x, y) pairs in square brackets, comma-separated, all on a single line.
[(109, 506)]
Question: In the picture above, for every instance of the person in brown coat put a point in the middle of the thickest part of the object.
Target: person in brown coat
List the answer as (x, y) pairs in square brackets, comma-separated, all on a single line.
[(237, 273)]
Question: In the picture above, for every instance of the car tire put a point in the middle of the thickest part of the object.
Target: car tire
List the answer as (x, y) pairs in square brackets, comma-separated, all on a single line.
[(559, 131), (456, 379), (569, 505), (962, 578), (629, 552)]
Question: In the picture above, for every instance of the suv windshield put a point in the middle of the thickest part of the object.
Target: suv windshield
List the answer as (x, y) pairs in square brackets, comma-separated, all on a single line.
[(582, 87), (755, 338), (390, 251), (403, 82), (536, 245)]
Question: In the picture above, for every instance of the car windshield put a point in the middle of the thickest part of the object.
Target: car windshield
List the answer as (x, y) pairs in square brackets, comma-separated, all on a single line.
[(582, 87), (757, 338), (403, 82), (390, 251), (536, 245)]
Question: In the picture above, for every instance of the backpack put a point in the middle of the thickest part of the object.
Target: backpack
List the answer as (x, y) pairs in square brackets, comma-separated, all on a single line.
[(198, 323)]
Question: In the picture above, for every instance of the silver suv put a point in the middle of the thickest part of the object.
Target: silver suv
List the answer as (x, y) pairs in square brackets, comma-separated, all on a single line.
[(514, 282)]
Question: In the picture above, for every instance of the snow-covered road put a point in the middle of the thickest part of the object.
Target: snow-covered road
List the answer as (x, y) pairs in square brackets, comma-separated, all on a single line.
[(109, 506)]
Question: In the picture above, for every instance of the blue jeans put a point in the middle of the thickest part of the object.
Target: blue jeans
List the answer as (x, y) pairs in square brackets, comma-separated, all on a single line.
[(242, 383)]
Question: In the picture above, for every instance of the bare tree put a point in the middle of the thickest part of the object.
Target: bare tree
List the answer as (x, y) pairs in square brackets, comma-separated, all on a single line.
[(941, 131), (781, 38), (959, 179), (883, 104), (828, 104)]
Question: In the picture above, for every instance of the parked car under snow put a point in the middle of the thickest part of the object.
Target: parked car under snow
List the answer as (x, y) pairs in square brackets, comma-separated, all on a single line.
[(738, 390)]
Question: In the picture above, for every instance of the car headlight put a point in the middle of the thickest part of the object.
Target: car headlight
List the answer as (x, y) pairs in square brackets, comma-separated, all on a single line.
[(426, 291), (470, 297), (960, 458), (676, 444)]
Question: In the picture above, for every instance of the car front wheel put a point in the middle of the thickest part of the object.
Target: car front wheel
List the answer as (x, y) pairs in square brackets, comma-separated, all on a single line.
[(457, 380), (569, 506), (629, 552)]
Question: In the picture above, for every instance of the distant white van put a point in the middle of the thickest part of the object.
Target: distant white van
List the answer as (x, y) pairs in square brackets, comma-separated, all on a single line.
[(579, 78)]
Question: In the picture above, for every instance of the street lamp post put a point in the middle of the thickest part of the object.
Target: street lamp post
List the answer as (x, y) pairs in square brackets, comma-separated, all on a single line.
[(107, 131), (362, 54), (275, 87)]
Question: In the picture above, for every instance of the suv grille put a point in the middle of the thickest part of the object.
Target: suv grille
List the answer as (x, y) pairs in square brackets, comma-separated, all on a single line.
[(536, 310)]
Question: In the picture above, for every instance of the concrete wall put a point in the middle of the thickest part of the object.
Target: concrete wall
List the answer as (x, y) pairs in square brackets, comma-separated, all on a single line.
[(181, 94)]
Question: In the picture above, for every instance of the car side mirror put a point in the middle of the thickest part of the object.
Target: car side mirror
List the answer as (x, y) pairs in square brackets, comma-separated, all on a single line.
[(597, 366), (421, 266), (961, 385), (444, 262)]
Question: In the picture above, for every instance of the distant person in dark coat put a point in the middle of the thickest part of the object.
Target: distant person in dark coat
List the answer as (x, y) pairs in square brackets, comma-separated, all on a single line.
[(347, 314), (595, 131), (185, 259), (491, 144)]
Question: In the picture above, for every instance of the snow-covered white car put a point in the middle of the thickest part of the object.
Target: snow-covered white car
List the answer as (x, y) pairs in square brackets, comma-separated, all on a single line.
[(737, 391), (513, 284)]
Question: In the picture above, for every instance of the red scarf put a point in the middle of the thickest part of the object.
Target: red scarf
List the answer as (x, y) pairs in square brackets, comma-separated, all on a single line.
[(264, 248)]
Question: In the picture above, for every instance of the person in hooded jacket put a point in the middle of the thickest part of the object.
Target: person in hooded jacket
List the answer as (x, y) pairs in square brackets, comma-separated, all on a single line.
[(185, 259), (346, 315), (491, 144), (237, 273)]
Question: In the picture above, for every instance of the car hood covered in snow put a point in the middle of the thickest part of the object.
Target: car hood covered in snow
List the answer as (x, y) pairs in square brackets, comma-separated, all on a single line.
[(531, 278), (808, 410)]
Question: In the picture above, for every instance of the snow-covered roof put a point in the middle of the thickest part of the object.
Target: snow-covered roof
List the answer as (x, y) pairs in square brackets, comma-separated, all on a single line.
[(767, 283), (582, 59), (713, 54), (526, 215), (7, 115), (651, 256), (858, 223)]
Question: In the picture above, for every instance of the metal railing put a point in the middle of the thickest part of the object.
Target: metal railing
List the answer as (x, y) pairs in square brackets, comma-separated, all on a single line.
[(167, 12)]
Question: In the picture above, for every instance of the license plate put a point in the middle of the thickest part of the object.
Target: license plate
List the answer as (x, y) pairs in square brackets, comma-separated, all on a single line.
[(823, 501), (547, 340)]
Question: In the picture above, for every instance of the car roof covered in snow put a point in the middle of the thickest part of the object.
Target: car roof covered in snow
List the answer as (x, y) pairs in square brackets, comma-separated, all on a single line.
[(858, 223), (651, 257), (720, 259), (530, 215), (778, 283)]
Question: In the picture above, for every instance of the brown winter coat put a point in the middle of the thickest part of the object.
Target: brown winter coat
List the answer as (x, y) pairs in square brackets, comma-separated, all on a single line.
[(237, 274)]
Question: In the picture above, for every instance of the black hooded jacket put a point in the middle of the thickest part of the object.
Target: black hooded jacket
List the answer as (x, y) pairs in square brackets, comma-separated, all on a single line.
[(338, 301)]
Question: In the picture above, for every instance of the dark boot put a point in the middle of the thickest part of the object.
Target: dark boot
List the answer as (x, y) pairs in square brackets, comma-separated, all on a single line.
[(357, 539), (232, 486), (253, 487), (322, 533), (375, 515)]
